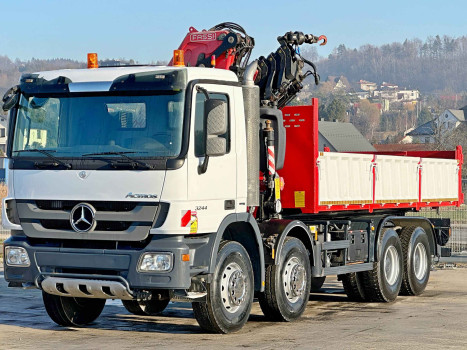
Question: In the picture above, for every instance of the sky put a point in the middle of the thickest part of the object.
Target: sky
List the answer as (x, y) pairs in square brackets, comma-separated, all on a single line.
[(147, 31)]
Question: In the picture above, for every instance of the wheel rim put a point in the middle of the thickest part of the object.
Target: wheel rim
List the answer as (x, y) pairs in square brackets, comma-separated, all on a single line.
[(391, 265), (420, 260), (294, 279), (233, 287)]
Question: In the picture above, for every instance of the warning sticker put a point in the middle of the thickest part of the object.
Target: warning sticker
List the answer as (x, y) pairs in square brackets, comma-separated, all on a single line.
[(277, 187), (194, 225), (299, 199), (190, 218)]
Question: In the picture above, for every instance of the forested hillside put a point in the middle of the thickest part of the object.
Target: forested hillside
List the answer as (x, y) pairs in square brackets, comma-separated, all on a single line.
[(434, 65), (10, 71)]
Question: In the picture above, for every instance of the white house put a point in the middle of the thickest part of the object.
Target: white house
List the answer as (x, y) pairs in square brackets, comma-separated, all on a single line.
[(439, 127)]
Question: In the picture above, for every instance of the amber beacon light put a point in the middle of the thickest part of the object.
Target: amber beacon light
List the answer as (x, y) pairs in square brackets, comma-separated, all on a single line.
[(92, 60), (179, 58)]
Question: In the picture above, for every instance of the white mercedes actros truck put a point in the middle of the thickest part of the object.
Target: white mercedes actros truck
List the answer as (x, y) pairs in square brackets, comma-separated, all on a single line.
[(195, 182)]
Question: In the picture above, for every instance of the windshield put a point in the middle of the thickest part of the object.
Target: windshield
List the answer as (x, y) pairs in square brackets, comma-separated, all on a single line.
[(71, 126)]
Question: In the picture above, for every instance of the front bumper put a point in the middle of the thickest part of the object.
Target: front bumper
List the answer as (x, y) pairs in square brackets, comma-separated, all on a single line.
[(114, 263)]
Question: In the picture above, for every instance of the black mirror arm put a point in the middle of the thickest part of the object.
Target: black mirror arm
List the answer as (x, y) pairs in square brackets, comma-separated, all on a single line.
[(204, 91), (204, 166)]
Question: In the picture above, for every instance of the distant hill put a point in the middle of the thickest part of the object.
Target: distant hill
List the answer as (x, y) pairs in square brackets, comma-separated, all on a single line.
[(438, 64)]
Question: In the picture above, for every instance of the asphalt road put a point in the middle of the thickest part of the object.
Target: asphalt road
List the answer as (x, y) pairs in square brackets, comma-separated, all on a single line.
[(437, 319)]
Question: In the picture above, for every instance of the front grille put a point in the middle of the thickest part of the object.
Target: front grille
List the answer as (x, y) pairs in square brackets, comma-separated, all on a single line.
[(101, 225), (115, 220), (98, 205)]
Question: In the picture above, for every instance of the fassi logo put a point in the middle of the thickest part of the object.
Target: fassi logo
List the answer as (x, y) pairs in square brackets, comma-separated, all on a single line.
[(203, 37)]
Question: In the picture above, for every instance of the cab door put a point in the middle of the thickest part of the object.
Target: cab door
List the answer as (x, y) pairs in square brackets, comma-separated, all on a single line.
[(212, 194)]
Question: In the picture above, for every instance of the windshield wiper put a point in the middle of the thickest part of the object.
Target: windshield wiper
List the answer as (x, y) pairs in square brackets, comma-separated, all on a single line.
[(47, 152), (134, 161)]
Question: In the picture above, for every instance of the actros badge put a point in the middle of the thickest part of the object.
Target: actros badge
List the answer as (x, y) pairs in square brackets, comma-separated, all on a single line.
[(82, 217)]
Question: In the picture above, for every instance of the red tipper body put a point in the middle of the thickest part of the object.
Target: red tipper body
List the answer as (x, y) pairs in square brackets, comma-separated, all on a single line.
[(200, 46), (305, 172)]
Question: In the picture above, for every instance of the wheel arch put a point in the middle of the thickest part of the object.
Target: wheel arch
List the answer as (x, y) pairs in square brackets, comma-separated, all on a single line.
[(242, 228), (287, 228), (399, 222)]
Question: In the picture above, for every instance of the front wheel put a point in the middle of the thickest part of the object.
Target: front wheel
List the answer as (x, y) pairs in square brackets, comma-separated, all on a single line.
[(69, 311), (230, 294), (287, 286)]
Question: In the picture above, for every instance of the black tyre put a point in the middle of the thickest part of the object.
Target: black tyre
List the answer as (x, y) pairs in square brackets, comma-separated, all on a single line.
[(287, 286), (230, 294), (146, 307), (317, 284), (383, 283), (69, 312), (353, 286), (417, 260)]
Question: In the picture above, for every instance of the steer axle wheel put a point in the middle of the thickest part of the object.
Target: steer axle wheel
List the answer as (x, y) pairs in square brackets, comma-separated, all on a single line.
[(287, 286), (69, 311), (230, 294)]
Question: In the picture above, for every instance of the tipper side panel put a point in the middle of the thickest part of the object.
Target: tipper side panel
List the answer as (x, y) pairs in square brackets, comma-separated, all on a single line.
[(332, 181)]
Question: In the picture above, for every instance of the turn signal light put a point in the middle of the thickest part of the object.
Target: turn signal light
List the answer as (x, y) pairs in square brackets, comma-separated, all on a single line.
[(179, 58), (185, 257), (92, 60)]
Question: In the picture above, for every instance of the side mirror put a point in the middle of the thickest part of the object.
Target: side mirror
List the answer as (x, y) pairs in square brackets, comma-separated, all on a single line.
[(215, 112), (10, 99), (216, 123)]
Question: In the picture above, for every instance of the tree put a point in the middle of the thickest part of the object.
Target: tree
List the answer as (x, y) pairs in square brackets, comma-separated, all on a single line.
[(336, 110), (424, 116), (367, 119)]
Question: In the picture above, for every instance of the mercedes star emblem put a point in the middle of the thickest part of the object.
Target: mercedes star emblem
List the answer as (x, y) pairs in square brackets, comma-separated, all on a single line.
[(82, 217), (82, 175)]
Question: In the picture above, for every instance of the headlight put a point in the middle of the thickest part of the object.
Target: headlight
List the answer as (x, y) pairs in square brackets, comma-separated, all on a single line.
[(16, 256), (156, 262)]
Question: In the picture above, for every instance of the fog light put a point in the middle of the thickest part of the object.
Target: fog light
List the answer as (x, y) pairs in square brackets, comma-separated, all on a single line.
[(156, 262), (16, 256)]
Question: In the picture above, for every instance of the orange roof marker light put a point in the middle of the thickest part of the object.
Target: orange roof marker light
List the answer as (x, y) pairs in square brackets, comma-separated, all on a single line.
[(179, 58), (92, 60)]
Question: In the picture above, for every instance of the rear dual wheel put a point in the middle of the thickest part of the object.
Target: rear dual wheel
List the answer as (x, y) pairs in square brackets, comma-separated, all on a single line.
[(383, 282), (353, 286), (417, 260)]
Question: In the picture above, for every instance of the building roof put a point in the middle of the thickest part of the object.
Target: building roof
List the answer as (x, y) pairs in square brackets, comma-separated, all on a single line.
[(401, 147), (344, 137), (458, 113), (425, 129)]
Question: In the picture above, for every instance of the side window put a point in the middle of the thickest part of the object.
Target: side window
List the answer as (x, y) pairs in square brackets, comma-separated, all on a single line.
[(200, 146)]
